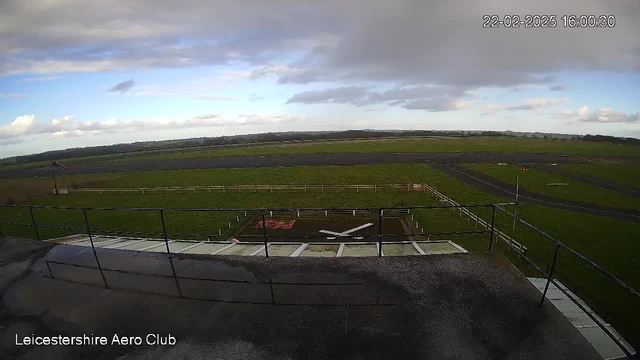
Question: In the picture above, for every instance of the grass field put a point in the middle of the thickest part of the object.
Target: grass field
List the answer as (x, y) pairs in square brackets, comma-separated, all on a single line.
[(480, 144), (435, 144), (623, 174), (537, 180), (610, 243)]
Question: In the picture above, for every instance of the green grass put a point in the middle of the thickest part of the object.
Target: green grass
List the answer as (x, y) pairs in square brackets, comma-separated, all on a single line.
[(434, 144), (623, 174), (21, 189), (537, 180), (359, 174), (479, 144), (610, 243)]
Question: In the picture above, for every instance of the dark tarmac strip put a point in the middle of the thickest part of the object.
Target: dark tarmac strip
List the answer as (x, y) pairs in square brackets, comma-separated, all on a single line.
[(470, 306), (500, 188), (342, 159)]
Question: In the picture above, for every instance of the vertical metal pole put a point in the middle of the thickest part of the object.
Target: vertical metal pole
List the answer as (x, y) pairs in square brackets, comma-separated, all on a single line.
[(493, 225), (95, 255), (380, 233), (264, 233), (553, 266), (55, 183), (164, 232), (33, 220), (515, 211)]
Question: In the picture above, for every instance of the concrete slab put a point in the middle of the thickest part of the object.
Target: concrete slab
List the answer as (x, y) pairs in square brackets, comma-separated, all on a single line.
[(579, 318), (173, 246), (438, 248), (360, 250), (399, 249), (282, 250), (601, 342), (206, 248), (241, 249), (320, 250), (138, 246)]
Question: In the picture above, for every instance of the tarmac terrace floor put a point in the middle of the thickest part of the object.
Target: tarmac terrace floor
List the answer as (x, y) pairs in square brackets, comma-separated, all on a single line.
[(461, 306)]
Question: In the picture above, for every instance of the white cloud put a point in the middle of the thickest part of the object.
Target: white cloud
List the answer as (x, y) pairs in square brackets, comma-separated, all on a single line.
[(27, 125), (532, 104), (429, 98), (41, 78), (602, 115)]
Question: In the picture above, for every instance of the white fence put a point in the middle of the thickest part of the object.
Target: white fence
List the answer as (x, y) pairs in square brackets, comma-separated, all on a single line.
[(248, 188), (521, 249)]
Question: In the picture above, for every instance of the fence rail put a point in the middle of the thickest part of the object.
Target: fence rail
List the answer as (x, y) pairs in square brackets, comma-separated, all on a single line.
[(246, 188), (513, 244)]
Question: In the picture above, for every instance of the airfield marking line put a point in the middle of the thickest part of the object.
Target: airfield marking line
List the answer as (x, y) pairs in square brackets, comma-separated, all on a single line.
[(299, 250), (418, 248), (340, 250), (222, 249), (189, 247)]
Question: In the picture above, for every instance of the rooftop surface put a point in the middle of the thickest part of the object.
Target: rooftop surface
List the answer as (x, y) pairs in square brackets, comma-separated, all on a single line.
[(462, 306)]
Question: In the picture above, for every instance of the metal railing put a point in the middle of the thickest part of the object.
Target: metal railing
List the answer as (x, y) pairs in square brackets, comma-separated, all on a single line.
[(549, 275), (380, 212)]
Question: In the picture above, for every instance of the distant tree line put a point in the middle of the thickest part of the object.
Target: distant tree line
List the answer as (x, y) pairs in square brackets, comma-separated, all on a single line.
[(611, 139)]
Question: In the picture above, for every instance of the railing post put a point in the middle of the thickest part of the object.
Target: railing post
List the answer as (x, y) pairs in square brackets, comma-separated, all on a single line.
[(264, 233), (493, 225), (553, 266), (380, 233), (33, 220), (164, 232), (95, 255)]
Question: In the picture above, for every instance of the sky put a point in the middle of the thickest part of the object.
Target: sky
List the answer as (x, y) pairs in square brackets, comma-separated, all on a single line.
[(83, 73)]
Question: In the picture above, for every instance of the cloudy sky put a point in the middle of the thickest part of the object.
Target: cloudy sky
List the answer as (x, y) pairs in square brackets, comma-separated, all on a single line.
[(80, 73)]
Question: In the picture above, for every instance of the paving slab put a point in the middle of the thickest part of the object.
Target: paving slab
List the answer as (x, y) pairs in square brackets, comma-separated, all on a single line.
[(360, 250), (438, 248), (282, 249), (399, 250), (241, 249), (205, 248), (173, 246), (320, 250)]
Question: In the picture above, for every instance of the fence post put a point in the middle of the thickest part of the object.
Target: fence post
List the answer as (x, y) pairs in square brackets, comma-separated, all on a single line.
[(164, 232), (95, 255), (33, 220), (553, 266), (380, 233), (493, 224), (264, 233)]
